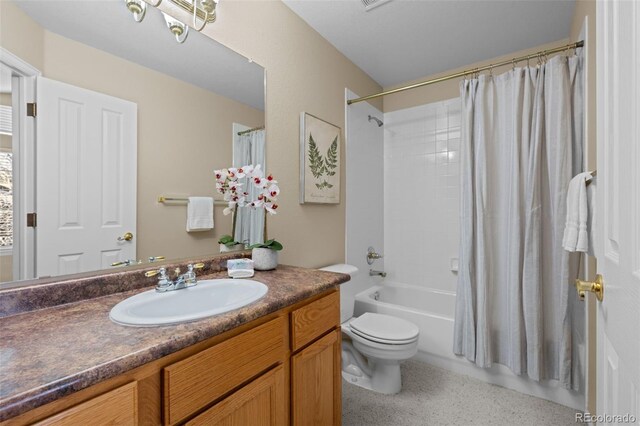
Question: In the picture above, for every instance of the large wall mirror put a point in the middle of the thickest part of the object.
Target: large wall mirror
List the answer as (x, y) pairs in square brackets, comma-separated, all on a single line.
[(129, 125)]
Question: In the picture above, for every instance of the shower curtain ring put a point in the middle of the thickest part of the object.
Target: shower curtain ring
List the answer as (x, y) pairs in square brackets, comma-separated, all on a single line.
[(513, 64)]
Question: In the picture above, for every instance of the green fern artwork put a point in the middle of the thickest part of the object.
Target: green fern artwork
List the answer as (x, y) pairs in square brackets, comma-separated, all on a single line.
[(331, 161), (320, 161), (316, 162), (320, 165)]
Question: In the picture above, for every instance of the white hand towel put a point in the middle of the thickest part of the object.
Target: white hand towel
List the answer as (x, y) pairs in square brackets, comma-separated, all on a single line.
[(576, 237), (591, 223), (199, 214)]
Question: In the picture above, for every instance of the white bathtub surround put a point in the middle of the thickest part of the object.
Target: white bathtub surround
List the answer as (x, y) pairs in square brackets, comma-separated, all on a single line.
[(521, 144), (436, 397), (264, 259), (364, 197), (421, 194)]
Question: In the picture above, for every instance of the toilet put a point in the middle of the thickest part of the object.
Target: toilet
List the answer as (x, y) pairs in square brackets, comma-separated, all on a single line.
[(376, 344)]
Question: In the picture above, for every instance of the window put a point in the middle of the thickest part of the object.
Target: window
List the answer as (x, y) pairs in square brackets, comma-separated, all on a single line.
[(6, 200)]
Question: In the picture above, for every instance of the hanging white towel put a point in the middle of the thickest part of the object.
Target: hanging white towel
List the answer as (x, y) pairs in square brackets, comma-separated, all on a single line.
[(199, 214), (576, 235), (591, 223)]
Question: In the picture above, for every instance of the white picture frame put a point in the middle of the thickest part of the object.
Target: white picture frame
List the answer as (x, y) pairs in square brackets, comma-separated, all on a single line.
[(320, 161)]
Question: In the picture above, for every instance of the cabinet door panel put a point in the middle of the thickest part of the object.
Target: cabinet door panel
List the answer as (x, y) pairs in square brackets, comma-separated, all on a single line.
[(260, 403), (195, 382), (313, 320), (116, 407), (316, 383)]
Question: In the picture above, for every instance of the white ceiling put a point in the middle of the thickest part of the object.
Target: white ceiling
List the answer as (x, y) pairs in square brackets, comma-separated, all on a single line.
[(108, 25), (405, 40)]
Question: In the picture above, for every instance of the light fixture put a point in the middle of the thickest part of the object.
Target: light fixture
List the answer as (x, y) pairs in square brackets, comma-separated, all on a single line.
[(203, 10), (138, 8), (179, 30)]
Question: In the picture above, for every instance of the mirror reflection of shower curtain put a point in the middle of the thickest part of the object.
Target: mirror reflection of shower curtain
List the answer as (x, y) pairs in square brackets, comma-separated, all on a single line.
[(521, 144), (249, 149)]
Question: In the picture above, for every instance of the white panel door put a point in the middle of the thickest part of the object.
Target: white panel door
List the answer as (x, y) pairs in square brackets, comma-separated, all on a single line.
[(618, 212), (86, 179)]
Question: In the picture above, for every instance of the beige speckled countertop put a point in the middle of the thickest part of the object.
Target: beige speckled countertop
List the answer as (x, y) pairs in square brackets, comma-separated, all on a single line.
[(50, 353)]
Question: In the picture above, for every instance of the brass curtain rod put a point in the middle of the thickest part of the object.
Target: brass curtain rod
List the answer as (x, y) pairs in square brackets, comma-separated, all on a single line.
[(255, 129), (471, 71)]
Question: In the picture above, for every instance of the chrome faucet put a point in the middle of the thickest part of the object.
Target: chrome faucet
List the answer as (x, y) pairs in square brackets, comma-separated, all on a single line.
[(165, 283), (373, 273), (372, 256)]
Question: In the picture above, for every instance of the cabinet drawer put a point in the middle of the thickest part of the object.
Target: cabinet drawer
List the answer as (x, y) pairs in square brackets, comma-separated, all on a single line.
[(315, 319), (260, 403), (192, 383), (116, 407)]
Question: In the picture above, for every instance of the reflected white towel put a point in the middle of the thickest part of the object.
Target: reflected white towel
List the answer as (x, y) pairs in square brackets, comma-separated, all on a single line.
[(576, 237), (199, 214)]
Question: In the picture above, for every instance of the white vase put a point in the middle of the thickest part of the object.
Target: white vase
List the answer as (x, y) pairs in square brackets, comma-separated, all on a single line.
[(264, 259), (235, 247)]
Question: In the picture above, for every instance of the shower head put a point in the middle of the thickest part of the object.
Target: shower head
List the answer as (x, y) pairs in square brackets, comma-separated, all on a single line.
[(377, 120)]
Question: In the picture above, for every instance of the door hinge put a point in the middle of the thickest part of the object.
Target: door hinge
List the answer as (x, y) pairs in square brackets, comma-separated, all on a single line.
[(32, 220), (32, 109)]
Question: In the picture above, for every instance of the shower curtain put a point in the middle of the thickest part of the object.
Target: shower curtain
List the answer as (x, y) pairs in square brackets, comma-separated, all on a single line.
[(249, 149), (521, 144)]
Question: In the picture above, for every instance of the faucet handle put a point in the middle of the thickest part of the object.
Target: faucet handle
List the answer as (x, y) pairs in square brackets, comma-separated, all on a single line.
[(161, 271), (372, 255)]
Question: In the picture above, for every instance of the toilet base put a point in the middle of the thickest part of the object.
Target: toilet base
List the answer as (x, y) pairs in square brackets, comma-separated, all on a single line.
[(384, 376)]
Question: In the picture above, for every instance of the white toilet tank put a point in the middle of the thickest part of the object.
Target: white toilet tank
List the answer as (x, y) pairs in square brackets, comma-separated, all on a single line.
[(347, 296)]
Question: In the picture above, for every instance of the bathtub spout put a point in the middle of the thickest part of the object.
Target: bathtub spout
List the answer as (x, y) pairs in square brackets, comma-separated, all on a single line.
[(373, 273), (350, 353)]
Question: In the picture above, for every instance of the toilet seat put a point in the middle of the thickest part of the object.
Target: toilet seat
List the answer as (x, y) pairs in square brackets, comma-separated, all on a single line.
[(384, 329)]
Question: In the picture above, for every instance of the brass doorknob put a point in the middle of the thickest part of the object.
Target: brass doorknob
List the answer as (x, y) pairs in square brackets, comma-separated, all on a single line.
[(596, 287), (126, 237)]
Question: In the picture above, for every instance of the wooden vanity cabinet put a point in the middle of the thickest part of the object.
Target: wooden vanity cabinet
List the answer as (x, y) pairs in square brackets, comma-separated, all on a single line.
[(280, 369)]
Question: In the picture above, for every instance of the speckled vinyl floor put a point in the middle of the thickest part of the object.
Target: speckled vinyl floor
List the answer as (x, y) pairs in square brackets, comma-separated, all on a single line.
[(433, 396)]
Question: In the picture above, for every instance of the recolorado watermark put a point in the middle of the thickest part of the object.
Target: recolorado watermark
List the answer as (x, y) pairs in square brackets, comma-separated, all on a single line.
[(605, 418)]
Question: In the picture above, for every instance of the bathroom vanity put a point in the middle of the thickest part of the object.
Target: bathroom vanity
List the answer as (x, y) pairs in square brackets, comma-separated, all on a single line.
[(274, 362)]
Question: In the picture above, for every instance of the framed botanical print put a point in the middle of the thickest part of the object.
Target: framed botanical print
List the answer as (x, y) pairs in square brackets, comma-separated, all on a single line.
[(319, 161)]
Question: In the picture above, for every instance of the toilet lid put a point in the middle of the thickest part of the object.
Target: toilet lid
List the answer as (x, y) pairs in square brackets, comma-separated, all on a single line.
[(384, 328)]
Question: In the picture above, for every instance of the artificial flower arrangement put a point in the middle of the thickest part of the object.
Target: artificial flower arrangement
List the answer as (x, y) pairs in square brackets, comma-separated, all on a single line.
[(228, 184)]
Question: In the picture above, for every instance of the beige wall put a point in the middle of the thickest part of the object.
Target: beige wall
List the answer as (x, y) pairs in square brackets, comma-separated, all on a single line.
[(178, 148)]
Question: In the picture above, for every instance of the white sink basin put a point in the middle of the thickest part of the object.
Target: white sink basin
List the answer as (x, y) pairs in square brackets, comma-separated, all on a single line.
[(207, 298)]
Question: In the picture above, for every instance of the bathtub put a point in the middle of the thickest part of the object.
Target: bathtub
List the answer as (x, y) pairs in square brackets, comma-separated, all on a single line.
[(431, 310)]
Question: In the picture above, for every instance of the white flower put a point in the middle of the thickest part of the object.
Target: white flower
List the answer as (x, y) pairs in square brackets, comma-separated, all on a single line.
[(245, 171), (227, 211), (272, 191), (221, 175), (270, 207), (257, 172)]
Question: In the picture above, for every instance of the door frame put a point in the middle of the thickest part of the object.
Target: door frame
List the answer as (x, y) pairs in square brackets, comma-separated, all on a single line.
[(24, 145)]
